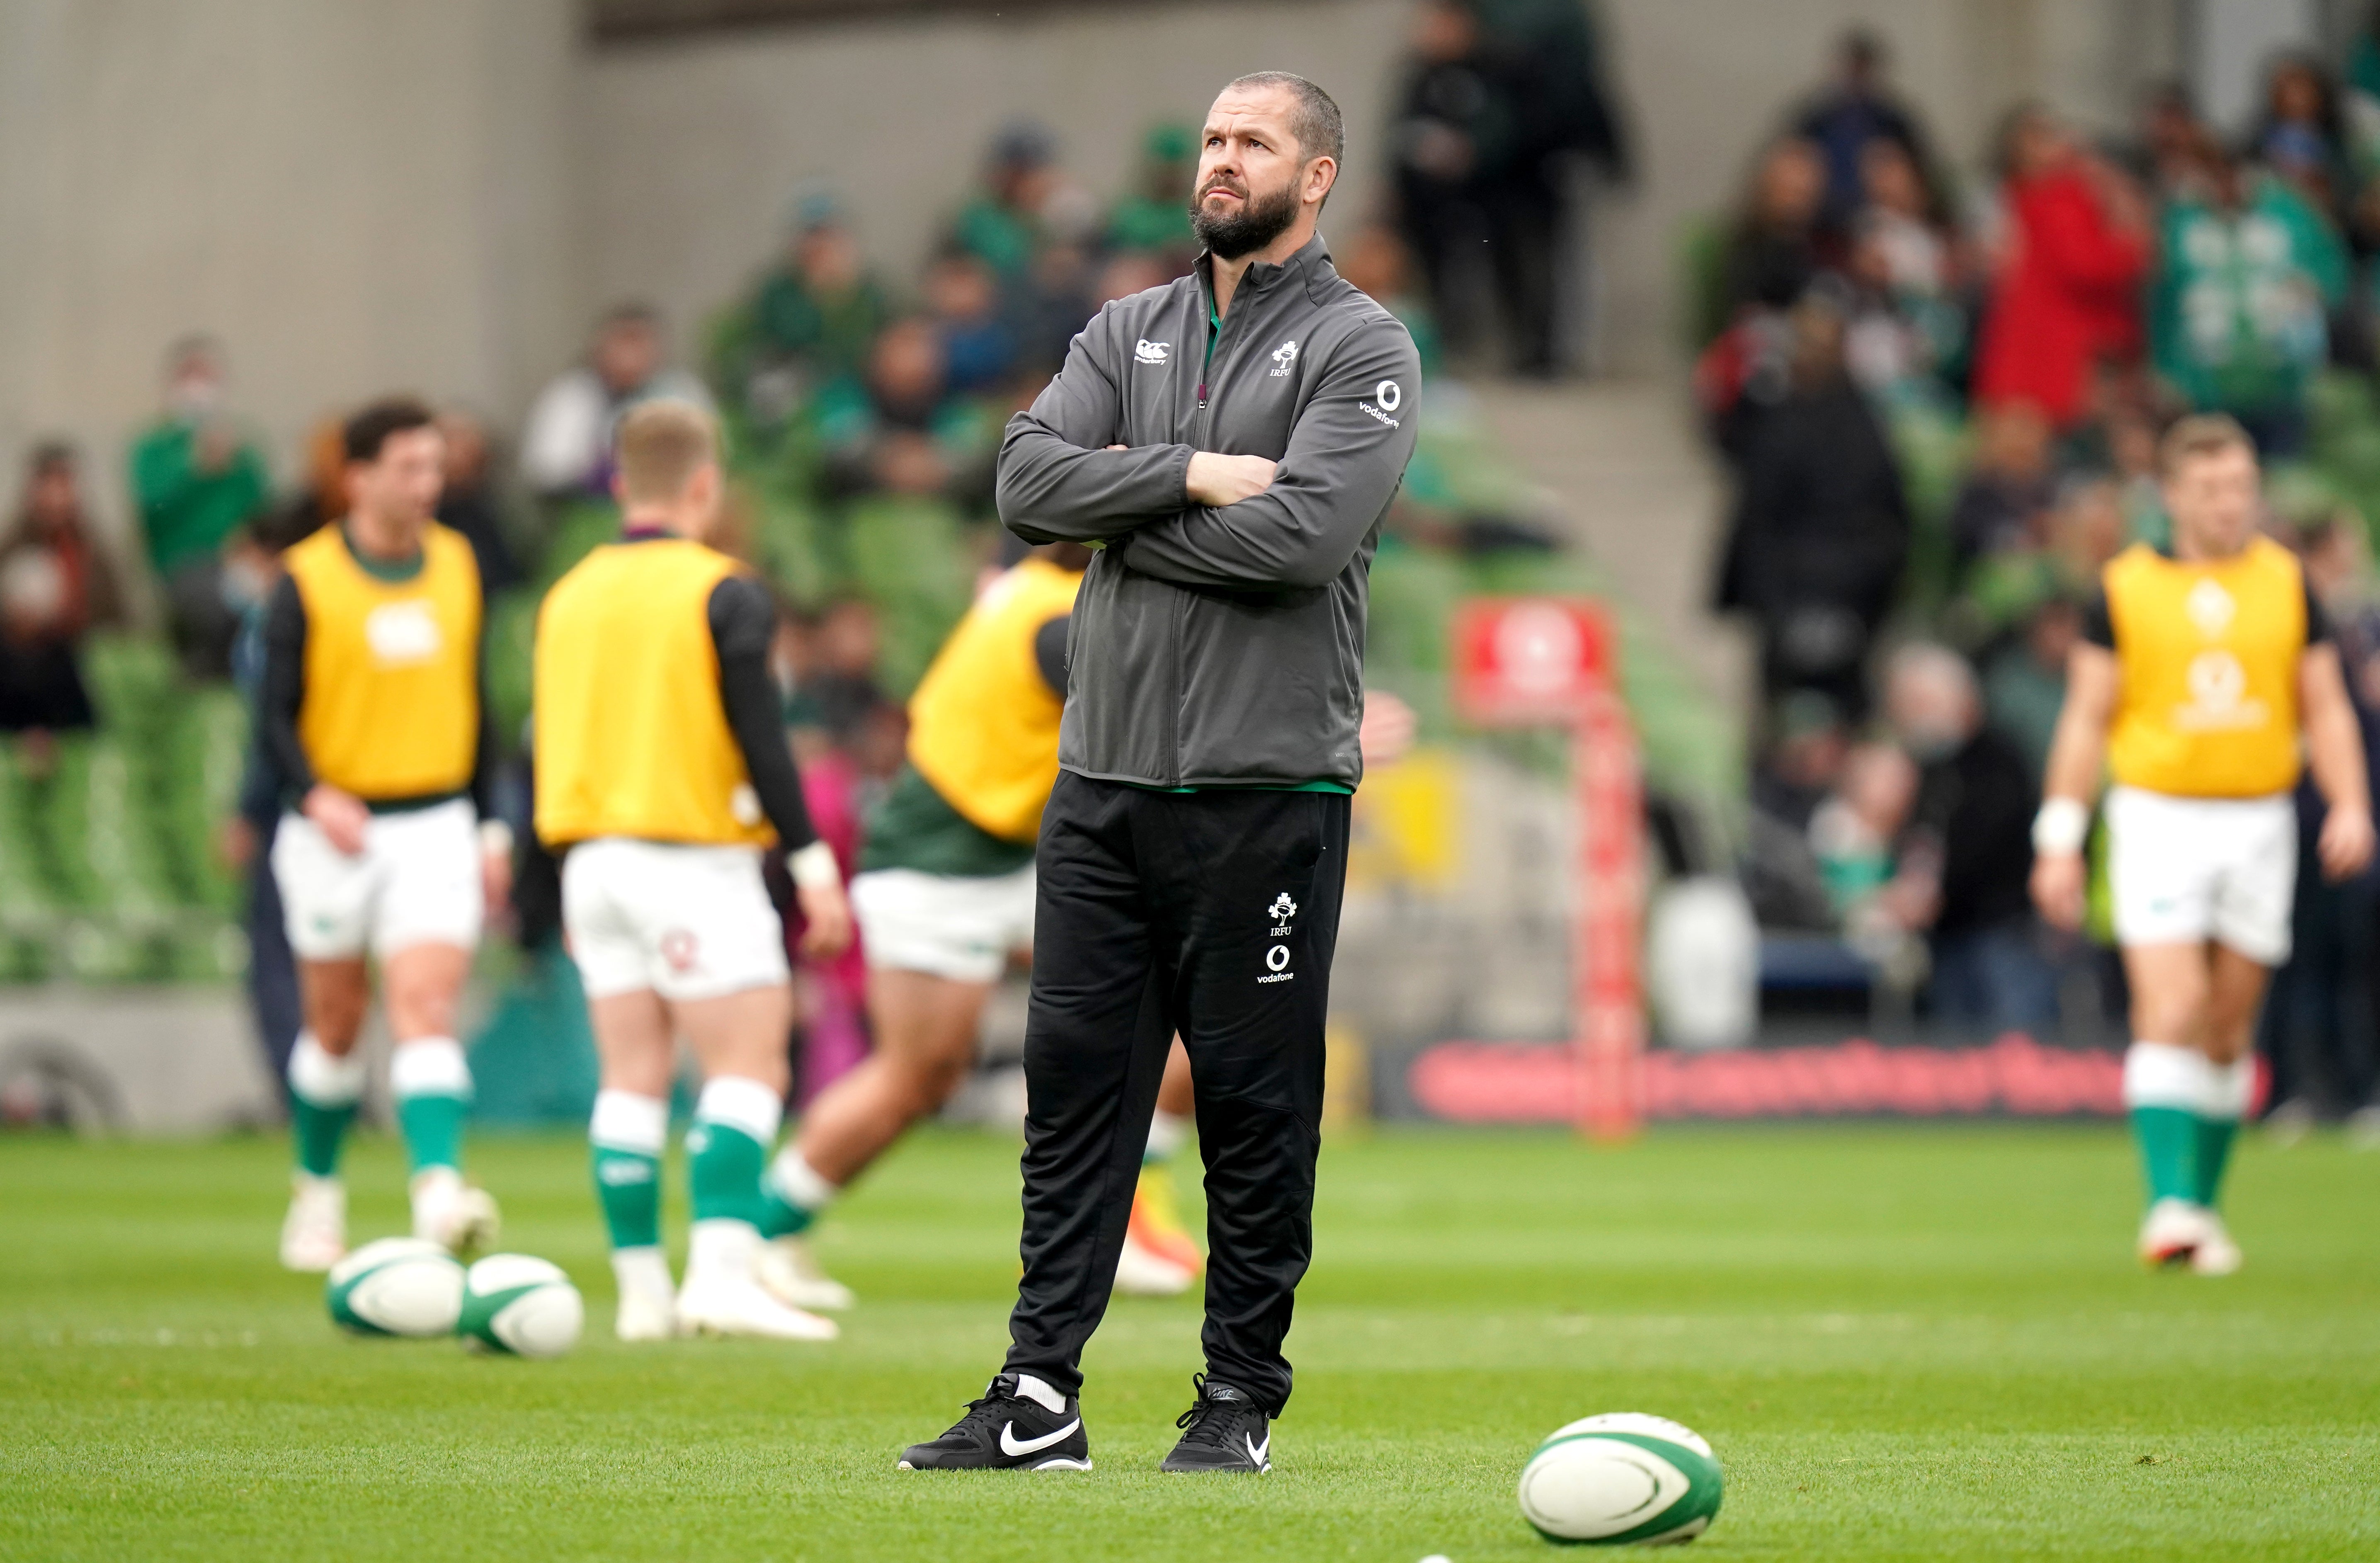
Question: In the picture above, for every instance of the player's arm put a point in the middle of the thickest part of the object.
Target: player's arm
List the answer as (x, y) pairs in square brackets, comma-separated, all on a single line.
[(1345, 458), (1060, 477), (1050, 651), (743, 623), (340, 816), (2076, 753), (2335, 754)]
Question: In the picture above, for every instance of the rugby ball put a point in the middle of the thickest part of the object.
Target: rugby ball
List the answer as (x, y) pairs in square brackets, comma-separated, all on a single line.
[(397, 1286), (1621, 1478), (519, 1305)]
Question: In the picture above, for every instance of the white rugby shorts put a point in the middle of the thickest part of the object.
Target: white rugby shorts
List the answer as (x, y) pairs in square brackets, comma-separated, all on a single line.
[(2185, 869), (416, 881), (687, 922), (959, 927)]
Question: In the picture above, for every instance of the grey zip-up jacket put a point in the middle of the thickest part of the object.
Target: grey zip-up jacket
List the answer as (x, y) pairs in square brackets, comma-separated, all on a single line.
[(1219, 646)]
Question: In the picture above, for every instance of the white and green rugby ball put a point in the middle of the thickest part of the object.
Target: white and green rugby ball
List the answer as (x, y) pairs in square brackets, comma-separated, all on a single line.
[(524, 1306), (1621, 1478), (397, 1286)]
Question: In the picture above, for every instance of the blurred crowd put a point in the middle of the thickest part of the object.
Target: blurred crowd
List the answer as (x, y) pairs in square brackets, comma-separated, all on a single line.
[(863, 408), (1940, 406)]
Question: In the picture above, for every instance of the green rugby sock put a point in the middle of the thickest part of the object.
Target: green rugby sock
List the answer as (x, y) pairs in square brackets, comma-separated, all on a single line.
[(2167, 1139), (2226, 1103), (734, 1123), (2164, 1088), (323, 1090), (625, 1136), (431, 1084)]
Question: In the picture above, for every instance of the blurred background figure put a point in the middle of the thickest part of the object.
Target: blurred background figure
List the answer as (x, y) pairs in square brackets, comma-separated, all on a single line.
[(1502, 105), (2248, 271), (469, 503), (2320, 1033), (566, 442), (1152, 216), (1967, 853), (196, 474), (1853, 115), (56, 585), (2076, 248), (809, 321), (1821, 526)]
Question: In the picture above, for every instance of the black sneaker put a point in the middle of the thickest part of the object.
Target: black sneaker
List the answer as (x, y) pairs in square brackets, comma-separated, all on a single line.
[(1012, 1429), (1223, 1430)]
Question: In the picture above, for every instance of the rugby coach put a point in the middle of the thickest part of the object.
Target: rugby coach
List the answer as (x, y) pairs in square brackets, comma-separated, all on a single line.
[(1230, 444)]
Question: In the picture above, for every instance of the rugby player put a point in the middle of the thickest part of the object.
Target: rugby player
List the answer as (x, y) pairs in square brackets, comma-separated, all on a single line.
[(2207, 677), (373, 709), (663, 772)]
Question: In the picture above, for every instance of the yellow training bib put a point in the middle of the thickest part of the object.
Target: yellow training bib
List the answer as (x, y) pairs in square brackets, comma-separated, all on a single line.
[(983, 725), (631, 736), (391, 707), (2208, 653)]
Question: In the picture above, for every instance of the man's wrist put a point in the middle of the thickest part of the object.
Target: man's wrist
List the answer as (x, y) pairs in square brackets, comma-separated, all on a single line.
[(495, 838), (814, 868), (2061, 826)]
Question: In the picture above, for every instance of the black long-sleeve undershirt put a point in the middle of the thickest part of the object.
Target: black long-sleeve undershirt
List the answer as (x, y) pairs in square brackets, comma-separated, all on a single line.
[(743, 623), (282, 694)]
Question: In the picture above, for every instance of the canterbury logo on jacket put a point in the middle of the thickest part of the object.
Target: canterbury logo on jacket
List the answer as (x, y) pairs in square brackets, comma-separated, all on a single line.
[(1219, 646)]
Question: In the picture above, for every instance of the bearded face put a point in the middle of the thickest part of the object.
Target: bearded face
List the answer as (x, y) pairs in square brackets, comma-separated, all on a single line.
[(1244, 226)]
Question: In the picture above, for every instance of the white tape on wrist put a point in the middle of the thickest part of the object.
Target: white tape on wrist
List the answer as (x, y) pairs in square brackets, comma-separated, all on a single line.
[(814, 867), (2061, 826), (496, 838)]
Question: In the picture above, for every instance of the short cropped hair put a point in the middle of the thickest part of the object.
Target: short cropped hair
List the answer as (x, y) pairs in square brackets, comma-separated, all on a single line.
[(369, 429), (2201, 434), (660, 445), (1314, 122)]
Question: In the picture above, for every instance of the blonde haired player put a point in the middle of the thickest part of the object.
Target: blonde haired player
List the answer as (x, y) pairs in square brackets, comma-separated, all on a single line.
[(663, 773), (372, 714), (2205, 674)]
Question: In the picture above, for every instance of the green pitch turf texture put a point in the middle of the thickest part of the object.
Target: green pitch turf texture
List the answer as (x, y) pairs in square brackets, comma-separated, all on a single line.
[(1906, 1343)]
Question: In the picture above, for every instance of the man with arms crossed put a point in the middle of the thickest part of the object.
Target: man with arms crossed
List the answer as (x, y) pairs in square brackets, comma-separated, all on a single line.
[(2200, 672), (1194, 849), (663, 771), (373, 713)]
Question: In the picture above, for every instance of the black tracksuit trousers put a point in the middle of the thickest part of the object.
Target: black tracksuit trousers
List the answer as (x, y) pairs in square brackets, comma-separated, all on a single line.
[(1213, 913)]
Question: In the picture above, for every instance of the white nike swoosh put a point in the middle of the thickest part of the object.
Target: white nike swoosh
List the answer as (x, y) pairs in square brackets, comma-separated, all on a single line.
[(1011, 1446), (1256, 1451)]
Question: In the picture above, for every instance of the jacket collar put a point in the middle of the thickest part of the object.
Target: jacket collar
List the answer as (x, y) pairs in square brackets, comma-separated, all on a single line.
[(1310, 263)]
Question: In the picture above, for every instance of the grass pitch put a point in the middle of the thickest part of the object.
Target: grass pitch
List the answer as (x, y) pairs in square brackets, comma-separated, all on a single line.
[(1916, 1342)]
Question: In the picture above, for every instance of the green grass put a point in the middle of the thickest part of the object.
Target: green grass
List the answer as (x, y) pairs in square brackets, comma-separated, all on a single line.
[(1904, 1343)]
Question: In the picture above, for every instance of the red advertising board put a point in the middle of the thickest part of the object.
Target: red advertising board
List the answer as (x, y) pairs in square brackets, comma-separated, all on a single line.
[(1529, 662)]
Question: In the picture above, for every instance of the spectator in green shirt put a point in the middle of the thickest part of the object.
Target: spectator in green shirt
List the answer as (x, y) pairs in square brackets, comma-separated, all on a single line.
[(2249, 272), (196, 476), (1154, 215)]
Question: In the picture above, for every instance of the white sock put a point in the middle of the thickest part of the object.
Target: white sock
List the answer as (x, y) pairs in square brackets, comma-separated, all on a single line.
[(2228, 1088), (722, 1250), (2158, 1074), (642, 1271), (742, 1105), (428, 1066), (624, 1120), (1039, 1392), (802, 1185), (1166, 1132), (323, 1078)]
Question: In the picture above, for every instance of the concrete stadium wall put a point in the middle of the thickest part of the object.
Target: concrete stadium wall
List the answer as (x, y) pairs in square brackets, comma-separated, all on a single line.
[(358, 196), (436, 194)]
